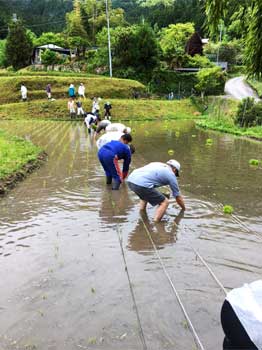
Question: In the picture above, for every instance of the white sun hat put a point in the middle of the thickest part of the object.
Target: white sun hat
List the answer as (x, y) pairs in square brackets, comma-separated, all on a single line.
[(174, 164)]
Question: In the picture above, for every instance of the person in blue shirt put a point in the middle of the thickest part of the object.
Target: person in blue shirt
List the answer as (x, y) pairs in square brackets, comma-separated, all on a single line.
[(109, 155), (71, 91), (143, 181)]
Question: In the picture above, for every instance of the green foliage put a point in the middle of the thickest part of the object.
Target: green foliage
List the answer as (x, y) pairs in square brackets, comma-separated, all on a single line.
[(51, 38), (135, 51), (77, 36), (253, 51), (249, 113), (231, 51), (164, 81), (250, 13), (19, 47), (198, 61), (253, 162), (50, 58), (173, 40), (228, 209), (3, 62), (210, 80)]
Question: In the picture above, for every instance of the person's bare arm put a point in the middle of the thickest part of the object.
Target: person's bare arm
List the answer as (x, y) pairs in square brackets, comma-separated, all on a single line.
[(180, 202)]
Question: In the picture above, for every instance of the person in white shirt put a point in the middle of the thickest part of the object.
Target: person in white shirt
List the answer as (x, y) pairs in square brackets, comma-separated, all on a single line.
[(81, 90), (118, 127), (241, 317), (71, 108), (107, 137), (89, 120), (23, 92)]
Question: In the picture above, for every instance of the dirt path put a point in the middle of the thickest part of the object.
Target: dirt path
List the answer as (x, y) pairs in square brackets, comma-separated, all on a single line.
[(239, 89)]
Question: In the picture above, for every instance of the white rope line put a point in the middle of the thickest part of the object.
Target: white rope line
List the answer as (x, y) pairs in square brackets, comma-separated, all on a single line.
[(141, 333), (206, 265), (196, 337)]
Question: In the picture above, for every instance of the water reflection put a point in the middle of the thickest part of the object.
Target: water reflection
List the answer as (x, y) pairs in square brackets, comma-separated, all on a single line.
[(161, 234)]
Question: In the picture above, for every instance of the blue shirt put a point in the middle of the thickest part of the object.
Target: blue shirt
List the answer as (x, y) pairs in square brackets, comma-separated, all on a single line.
[(119, 149), (155, 175)]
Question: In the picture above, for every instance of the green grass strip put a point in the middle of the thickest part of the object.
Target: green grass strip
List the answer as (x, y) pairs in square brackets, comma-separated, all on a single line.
[(15, 152)]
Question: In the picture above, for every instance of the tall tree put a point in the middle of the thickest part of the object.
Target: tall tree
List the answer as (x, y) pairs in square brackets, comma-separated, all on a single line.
[(250, 12), (19, 46), (77, 36)]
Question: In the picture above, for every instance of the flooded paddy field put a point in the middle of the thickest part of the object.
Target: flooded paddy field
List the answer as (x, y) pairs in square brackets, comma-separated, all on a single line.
[(81, 269)]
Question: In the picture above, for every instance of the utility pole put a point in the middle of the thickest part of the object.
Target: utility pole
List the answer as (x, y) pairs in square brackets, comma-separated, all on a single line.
[(109, 41)]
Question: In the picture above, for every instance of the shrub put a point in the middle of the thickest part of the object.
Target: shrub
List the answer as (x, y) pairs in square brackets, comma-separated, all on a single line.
[(249, 113), (210, 80)]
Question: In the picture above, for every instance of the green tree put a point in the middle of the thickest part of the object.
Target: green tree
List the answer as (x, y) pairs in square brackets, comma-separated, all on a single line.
[(19, 47), (250, 13), (94, 14), (135, 51), (2, 53), (173, 41), (77, 36), (211, 80), (51, 38)]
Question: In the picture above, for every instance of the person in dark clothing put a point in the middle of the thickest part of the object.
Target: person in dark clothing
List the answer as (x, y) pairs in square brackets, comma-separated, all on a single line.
[(107, 108), (109, 155)]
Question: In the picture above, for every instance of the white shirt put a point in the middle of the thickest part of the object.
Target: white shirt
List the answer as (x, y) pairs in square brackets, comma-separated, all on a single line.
[(81, 90), (88, 118), (115, 127), (108, 137), (23, 89), (247, 304)]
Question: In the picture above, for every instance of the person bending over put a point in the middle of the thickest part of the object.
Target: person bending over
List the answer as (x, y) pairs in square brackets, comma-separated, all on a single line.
[(109, 154), (143, 181), (241, 317)]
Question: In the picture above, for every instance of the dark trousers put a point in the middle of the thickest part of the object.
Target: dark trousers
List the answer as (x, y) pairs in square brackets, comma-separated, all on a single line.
[(236, 336)]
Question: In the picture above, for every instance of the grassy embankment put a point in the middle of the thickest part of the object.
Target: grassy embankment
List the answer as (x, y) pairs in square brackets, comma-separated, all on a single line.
[(18, 157), (119, 91), (123, 109), (256, 85), (220, 116)]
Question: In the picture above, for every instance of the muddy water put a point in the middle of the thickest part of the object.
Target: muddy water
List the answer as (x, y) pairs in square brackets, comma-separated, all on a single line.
[(65, 281)]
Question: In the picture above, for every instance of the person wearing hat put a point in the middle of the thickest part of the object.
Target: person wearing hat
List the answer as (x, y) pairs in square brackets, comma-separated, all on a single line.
[(81, 90), (143, 181)]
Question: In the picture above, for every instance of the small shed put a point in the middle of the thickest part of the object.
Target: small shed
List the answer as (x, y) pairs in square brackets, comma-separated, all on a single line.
[(194, 45), (39, 49)]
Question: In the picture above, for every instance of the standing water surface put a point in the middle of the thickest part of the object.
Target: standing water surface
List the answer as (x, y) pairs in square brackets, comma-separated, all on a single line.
[(64, 278)]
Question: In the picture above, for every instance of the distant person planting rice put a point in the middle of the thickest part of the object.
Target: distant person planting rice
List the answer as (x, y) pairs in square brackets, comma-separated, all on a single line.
[(143, 181), (102, 126), (90, 119)]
